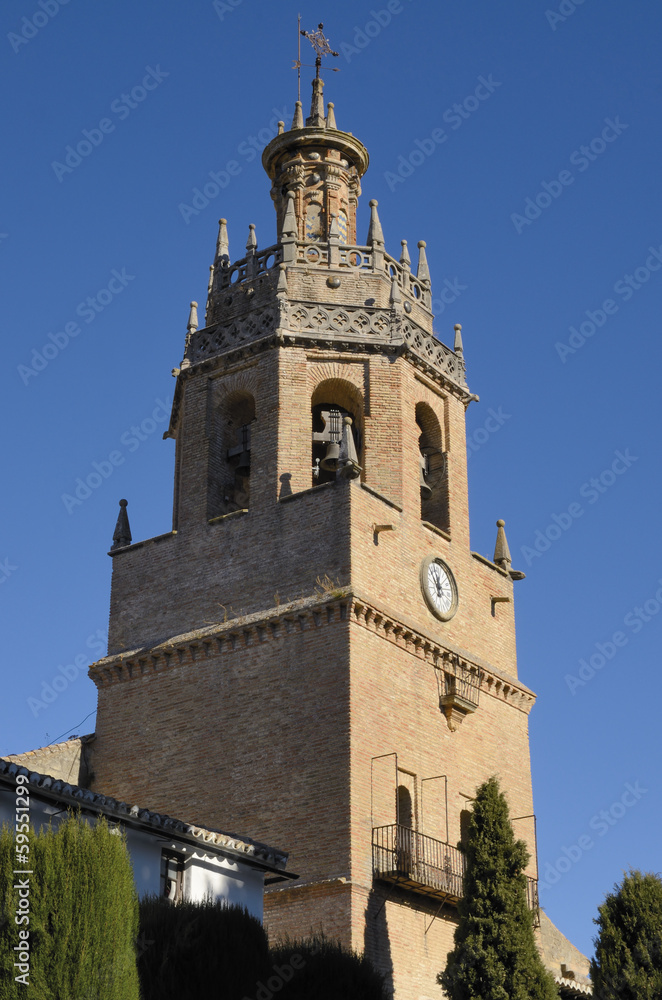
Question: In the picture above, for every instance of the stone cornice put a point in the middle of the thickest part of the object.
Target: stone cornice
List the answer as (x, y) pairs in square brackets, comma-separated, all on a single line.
[(241, 635)]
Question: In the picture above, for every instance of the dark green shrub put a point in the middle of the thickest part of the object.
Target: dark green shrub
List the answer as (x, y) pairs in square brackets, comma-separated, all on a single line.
[(495, 955), (321, 969), (83, 914), (628, 948), (194, 950)]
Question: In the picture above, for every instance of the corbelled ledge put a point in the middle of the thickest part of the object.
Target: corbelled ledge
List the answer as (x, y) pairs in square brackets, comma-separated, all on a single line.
[(240, 635)]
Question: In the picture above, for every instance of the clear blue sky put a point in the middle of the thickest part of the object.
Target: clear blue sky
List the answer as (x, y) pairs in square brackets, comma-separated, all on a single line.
[(532, 90)]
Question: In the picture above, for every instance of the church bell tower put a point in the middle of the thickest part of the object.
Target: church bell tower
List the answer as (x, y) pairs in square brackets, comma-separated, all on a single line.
[(313, 655)]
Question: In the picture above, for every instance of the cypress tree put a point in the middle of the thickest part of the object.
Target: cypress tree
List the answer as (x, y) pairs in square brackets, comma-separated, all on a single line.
[(495, 955), (83, 914), (628, 948)]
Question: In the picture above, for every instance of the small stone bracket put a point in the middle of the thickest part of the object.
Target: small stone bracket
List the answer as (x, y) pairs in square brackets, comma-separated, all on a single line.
[(498, 600)]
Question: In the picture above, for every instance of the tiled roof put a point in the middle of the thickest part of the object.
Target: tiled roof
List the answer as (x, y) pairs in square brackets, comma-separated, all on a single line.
[(243, 848)]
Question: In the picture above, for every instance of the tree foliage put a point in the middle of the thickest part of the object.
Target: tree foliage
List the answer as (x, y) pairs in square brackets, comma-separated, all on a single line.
[(203, 949), (323, 969), (83, 914), (628, 947), (495, 955)]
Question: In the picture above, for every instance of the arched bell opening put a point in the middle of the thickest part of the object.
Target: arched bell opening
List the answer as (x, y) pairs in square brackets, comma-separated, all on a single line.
[(230, 456), (432, 469), (337, 423)]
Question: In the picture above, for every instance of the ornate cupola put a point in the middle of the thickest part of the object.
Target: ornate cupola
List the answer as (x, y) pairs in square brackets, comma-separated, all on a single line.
[(322, 167)]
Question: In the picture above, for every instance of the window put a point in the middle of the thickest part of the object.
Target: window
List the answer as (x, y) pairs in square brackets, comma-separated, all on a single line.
[(172, 876)]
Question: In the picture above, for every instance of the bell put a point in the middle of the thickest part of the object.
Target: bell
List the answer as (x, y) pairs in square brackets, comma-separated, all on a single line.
[(332, 457), (426, 491)]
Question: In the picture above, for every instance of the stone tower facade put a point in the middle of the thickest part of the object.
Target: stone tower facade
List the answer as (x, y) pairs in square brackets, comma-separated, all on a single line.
[(313, 654)]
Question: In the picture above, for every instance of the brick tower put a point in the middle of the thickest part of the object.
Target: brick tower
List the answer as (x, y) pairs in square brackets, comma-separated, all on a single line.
[(314, 655)]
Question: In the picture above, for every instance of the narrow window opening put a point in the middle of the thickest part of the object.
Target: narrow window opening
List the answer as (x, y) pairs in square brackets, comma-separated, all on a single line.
[(172, 876)]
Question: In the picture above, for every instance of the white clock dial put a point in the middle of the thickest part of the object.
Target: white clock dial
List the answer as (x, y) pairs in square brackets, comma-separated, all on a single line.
[(439, 588)]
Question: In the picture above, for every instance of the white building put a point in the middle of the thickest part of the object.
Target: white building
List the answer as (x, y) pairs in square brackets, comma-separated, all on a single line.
[(169, 857)]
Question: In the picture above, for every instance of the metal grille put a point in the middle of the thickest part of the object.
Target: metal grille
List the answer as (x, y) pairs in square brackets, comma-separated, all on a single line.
[(426, 865)]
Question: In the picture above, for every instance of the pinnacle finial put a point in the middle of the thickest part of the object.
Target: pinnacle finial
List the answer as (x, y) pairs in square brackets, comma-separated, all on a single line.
[(331, 115), (281, 128), (375, 234), (290, 221), (423, 272), (501, 550), (281, 288), (122, 535), (251, 242), (458, 339), (192, 325), (395, 297), (316, 117), (297, 121), (405, 259), (222, 244)]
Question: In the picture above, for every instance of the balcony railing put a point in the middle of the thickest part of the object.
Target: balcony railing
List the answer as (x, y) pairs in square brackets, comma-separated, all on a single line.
[(413, 861)]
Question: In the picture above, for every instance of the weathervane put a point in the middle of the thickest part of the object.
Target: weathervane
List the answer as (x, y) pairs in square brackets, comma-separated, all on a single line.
[(322, 48)]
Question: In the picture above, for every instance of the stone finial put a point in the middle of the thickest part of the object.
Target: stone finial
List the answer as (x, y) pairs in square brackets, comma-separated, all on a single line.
[(290, 221), (405, 259), (122, 535), (251, 242), (192, 324), (281, 288), (316, 118), (281, 128), (501, 550), (375, 234), (423, 272), (331, 115), (222, 245), (297, 121), (395, 296), (458, 339)]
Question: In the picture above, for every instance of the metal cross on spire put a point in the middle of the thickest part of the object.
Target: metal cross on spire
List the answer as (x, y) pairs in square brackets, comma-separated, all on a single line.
[(321, 45)]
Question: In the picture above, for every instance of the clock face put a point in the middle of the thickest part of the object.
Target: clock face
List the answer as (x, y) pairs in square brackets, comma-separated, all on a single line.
[(439, 588)]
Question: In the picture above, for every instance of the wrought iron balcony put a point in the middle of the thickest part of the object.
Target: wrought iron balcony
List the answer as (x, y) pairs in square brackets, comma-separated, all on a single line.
[(414, 861)]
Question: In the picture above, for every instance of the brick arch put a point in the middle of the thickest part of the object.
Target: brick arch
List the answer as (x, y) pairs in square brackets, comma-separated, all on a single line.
[(334, 372)]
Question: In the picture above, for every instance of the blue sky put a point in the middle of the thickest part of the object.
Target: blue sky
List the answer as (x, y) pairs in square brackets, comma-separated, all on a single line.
[(522, 142)]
